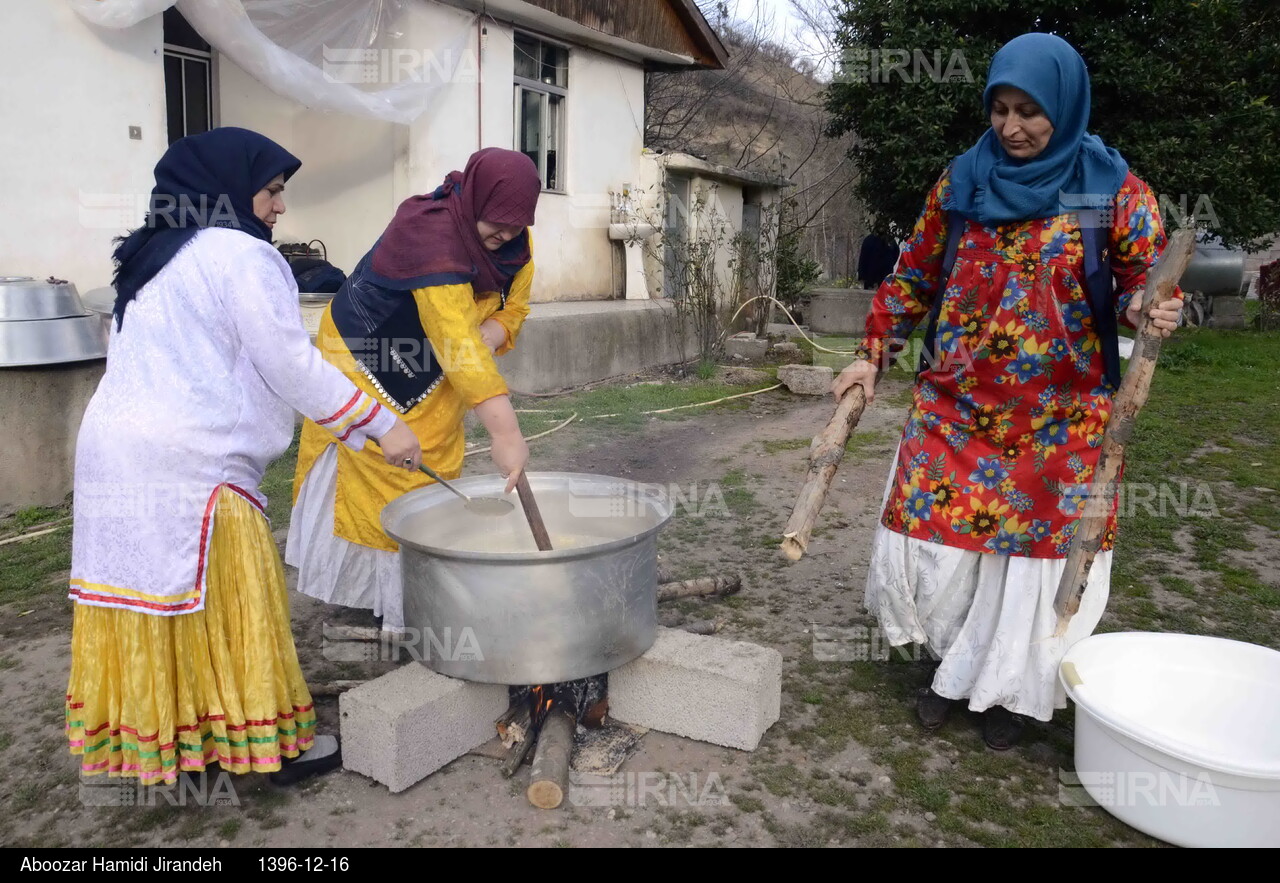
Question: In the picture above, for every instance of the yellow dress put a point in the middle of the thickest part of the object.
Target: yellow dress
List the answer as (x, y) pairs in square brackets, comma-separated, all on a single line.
[(150, 696), (451, 317)]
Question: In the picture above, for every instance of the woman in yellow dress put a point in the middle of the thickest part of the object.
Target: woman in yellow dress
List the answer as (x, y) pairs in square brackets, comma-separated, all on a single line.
[(417, 326), (182, 656)]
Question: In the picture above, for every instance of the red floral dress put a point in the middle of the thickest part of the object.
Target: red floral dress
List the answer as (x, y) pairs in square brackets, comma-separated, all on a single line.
[(1006, 424)]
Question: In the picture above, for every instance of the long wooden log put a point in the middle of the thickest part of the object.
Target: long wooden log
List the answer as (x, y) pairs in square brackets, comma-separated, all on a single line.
[(705, 585), (1129, 399), (825, 454), (514, 725), (516, 755), (549, 779)]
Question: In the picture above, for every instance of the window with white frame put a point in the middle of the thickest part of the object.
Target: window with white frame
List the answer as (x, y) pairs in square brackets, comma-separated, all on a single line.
[(188, 78), (541, 89)]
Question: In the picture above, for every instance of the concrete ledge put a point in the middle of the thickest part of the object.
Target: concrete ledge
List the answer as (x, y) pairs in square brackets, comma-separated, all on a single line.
[(44, 407), (567, 344), (405, 725), (701, 687), (839, 310)]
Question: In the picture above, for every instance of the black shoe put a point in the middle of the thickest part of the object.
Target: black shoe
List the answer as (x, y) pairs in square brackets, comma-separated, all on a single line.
[(1001, 728), (323, 756), (932, 709)]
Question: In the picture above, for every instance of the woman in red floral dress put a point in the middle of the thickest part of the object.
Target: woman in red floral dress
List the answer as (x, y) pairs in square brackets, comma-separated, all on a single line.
[(1009, 411)]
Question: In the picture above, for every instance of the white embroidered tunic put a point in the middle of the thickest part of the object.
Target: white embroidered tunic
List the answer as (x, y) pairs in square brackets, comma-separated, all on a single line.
[(199, 394)]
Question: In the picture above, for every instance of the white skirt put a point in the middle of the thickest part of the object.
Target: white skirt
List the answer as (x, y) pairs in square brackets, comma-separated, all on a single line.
[(331, 569), (988, 618)]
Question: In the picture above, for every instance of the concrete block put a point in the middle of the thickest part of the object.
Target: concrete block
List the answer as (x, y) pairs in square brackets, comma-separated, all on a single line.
[(753, 349), (1227, 312), (807, 380), (700, 687), (788, 354), (405, 725)]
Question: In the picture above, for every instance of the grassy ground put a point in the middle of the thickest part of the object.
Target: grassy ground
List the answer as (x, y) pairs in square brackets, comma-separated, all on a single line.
[(846, 762), (622, 406)]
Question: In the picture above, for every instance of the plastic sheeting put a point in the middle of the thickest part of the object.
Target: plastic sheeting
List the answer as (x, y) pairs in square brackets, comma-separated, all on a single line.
[(352, 56)]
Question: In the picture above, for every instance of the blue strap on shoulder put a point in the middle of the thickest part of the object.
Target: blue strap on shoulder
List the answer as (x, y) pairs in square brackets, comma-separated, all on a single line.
[(1099, 288), (955, 228)]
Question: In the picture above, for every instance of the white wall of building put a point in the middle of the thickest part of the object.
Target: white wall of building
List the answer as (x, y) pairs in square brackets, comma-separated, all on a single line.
[(72, 177), (714, 213), (343, 195), (356, 172), (604, 127)]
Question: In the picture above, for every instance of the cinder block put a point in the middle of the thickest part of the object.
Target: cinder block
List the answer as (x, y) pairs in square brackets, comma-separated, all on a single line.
[(806, 380), (405, 725), (752, 348), (701, 687)]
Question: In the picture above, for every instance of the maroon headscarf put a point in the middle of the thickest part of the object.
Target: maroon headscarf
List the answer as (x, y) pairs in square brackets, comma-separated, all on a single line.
[(435, 235)]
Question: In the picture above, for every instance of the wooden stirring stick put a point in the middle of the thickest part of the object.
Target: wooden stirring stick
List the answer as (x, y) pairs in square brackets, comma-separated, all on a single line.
[(531, 512)]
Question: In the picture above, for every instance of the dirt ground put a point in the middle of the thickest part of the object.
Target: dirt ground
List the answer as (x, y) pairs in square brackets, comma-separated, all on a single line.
[(845, 765)]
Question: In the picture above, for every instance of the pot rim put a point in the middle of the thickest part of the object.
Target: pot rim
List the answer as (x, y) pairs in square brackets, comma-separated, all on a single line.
[(485, 483)]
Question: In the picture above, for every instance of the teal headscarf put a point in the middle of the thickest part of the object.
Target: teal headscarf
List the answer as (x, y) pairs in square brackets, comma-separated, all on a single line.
[(1075, 170)]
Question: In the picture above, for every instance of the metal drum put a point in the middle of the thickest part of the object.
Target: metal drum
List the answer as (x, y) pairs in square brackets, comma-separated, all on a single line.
[(481, 603), (1214, 269)]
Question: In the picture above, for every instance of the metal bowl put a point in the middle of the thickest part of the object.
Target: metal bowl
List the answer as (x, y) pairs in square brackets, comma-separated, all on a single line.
[(23, 299), (483, 604), (52, 341)]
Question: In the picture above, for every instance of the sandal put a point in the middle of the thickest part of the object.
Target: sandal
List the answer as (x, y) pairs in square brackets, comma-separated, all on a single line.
[(1001, 728), (323, 756), (932, 709)]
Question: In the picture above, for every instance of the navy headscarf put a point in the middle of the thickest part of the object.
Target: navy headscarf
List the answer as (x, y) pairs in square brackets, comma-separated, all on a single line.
[(206, 180), (1075, 170)]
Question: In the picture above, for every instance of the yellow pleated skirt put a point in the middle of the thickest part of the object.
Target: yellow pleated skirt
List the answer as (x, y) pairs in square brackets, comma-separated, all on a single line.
[(152, 695)]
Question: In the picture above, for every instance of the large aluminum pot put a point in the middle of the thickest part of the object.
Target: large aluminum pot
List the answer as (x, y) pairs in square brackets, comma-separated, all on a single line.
[(23, 298), (481, 603), (45, 323), (52, 341)]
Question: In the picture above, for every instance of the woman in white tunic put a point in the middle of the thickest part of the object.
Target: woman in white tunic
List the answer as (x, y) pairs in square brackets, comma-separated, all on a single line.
[(182, 654)]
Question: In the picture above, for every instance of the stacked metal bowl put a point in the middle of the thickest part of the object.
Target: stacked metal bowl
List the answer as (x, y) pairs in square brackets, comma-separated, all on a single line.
[(46, 323)]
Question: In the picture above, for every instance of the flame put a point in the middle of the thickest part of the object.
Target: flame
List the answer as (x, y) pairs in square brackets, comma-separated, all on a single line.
[(541, 705)]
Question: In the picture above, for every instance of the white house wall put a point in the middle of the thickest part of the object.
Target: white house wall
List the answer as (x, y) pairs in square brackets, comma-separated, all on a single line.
[(355, 172), (715, 211), (605, 133), (343, 195), (605, 128), (72, 177)]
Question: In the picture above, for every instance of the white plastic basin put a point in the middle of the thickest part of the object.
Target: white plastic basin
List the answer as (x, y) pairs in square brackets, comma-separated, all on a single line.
[(1179, 735)]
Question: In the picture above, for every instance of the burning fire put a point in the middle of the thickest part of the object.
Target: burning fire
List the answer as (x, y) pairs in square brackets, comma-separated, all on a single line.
[(540, 702)]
